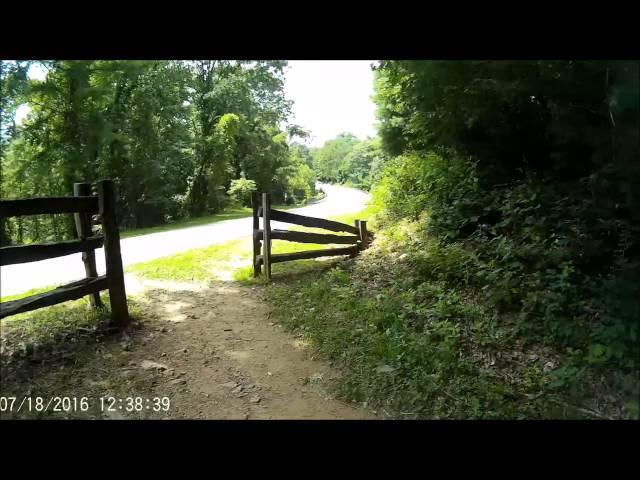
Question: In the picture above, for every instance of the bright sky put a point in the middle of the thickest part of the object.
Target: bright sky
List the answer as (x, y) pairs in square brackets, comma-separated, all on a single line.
[(330, 97), (37, 72)]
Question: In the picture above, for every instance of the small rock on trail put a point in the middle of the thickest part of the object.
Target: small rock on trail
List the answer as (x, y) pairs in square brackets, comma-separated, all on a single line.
[(149, 365)]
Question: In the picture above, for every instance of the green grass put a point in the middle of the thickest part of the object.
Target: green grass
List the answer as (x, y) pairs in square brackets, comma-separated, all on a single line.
[(230, 260), (415, 339), (49, 324), (199, 264), (70, 321), (415, 347), (230, 214), (33, 291)]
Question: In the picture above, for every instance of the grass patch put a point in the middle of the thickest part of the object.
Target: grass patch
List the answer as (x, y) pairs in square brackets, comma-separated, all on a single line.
[(409, 351), (230, 214), (416, 339), (199, 264), (37, 323), (42, 324), (230, 260), (70, 349), (65, 327), (47, 326), (33, 291)]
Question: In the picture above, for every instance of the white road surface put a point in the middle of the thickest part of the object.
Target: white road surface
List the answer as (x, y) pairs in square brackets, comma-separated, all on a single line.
[(19, 278)]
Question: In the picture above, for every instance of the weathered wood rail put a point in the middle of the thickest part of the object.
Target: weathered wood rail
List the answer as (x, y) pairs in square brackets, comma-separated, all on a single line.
[(82, 205), (262, 237)]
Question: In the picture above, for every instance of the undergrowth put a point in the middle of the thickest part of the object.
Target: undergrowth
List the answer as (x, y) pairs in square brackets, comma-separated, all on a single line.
[(31, 334), (417, 336)]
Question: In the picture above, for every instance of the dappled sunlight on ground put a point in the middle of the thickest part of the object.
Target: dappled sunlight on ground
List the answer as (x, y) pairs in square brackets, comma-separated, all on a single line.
[(205, 337), (224, 270), (213, 350), (136, 285), (301, 344)]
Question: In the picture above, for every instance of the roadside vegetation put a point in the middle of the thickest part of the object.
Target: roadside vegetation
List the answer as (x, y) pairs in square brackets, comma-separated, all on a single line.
[(228, 214), (230, 260), (182, 140), (504, 279)]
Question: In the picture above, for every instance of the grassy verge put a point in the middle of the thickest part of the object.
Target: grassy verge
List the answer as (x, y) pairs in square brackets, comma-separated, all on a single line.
[(66, 350), (33, 291), (63, 321), (42, 329), (405, 346), (229, 214), (227, 261), (414, 340), (230, 260)]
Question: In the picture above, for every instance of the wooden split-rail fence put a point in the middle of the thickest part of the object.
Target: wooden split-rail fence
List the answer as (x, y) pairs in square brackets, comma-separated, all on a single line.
[(82, 205), (262, 237)]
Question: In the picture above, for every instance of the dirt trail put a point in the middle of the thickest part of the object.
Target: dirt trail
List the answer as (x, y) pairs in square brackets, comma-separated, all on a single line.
[(224, 357)]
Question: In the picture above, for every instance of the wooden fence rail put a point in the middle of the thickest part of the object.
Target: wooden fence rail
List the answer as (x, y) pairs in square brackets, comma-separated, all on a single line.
[(81, 205), (262, 237)]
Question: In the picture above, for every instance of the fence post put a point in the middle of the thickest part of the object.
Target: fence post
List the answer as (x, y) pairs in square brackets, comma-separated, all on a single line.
[(255, 205), (266, 247), (364, 235), (356, 223), (113, 258), (83, 227)]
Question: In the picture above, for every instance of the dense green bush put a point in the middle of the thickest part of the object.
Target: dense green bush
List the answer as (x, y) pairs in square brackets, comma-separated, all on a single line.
[(447, 186), (531, 167)]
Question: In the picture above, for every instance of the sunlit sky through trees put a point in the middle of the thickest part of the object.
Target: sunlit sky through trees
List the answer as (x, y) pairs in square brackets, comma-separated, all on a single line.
[(330, 97)]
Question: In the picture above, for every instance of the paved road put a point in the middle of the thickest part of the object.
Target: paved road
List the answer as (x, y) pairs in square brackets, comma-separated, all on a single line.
[(20, 278)]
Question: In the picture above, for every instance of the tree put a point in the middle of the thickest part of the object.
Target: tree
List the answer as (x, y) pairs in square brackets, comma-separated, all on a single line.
[(363, 164), (329, 159), (295, 178), (241, 190), (172, 134)]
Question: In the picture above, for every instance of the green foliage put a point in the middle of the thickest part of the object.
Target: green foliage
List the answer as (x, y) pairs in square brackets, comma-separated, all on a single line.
[(447, 185), (405, 343), (529, 168), (411, 328), (362, 165), (296, 177), (328, 160), (348, 160), (241, 190), (173, 134)]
